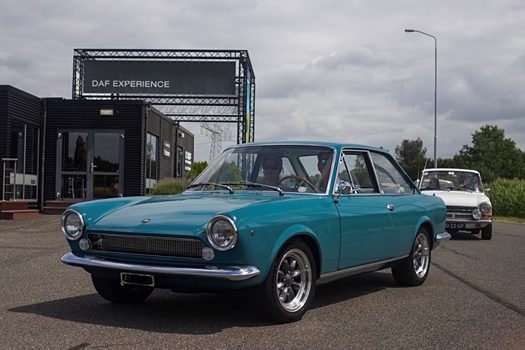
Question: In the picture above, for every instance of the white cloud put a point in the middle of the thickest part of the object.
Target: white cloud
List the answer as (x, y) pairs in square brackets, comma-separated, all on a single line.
[(338, 70)]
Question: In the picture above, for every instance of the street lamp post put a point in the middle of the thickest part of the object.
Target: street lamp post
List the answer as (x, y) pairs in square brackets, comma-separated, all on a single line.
[(435, 89)]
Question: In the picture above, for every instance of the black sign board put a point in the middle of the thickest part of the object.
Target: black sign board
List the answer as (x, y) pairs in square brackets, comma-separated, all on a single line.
[(159, 77)]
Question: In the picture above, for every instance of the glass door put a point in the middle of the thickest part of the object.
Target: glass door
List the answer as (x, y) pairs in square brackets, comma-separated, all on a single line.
[(105, 165), (89, 164), (72, 165)]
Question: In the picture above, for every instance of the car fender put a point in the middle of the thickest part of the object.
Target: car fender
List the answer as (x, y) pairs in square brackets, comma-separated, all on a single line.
[(288, 234)]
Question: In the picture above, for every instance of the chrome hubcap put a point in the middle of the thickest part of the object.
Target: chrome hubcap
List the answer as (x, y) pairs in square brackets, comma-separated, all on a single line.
[(421, 255), (294, 280)]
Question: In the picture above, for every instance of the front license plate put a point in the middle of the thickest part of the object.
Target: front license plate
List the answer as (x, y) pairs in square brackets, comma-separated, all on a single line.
[(455, 226), (136, 279)]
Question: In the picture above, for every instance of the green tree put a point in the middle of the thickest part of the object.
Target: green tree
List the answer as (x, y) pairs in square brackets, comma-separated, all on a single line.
[(196, 169), (493, 155), (411, 155)]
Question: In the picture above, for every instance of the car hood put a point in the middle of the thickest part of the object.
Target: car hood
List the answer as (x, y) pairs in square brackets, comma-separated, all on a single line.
[(180, 214), (460, 198)]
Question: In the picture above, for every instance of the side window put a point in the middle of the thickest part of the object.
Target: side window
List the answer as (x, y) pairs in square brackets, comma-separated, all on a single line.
[(390, 178), (355, 169)]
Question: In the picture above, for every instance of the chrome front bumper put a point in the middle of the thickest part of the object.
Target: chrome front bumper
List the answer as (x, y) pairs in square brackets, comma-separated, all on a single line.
[(232, 273)]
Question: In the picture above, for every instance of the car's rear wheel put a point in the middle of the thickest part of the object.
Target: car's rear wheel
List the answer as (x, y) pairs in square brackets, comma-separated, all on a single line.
[(112, 290), (486, 232), (413, 270), (288, 290)]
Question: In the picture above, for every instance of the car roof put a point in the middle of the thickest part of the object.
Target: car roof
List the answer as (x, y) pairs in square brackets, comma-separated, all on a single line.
[(336, 145), (451, 170)]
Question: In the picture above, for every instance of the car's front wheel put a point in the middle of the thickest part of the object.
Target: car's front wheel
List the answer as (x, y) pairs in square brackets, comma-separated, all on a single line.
[(288, 290), (486, 232), (112, 290), (413, 270)]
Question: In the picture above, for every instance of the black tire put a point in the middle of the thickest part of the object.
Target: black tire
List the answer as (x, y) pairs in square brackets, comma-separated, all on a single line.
[(486, 232), (413, 270), (288, 290), (111, 290)]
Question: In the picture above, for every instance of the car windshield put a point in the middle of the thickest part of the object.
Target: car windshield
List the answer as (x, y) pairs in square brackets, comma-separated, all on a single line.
[(450, 180), (278, 168)]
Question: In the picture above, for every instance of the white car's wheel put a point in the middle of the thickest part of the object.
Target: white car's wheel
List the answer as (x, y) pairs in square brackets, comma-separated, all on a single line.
[(486, 232)]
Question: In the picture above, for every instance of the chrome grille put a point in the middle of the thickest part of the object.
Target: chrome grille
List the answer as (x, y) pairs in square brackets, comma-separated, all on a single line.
[(460, 212), (173, 247)]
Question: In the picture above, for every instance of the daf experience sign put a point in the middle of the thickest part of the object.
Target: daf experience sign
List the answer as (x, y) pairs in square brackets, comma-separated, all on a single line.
[(152, 77)]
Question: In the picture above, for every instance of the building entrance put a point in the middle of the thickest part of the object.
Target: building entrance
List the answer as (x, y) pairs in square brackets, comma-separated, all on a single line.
[(89, 164)]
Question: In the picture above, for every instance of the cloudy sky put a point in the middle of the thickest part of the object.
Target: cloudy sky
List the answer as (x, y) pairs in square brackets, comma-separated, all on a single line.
[(340, 70)]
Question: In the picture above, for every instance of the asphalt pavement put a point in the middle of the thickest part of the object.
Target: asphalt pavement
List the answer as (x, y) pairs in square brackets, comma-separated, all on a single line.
[(472, 299)]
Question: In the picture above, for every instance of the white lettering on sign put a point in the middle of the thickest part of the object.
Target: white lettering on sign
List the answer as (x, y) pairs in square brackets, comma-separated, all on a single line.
[(97, 83), (163, 84)]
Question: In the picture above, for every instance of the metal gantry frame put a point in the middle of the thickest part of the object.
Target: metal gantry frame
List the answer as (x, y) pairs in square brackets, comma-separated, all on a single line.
[(239, 109)]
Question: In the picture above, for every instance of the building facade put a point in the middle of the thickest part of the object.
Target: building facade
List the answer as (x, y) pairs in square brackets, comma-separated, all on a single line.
[(77, 150)]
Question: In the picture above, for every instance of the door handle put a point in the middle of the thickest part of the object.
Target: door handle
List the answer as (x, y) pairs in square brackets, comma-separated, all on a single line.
[(390, 207), (93, 166)]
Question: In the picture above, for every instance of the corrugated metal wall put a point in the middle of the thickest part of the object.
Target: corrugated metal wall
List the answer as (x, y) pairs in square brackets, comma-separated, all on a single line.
[(16, 107), (134, 118)]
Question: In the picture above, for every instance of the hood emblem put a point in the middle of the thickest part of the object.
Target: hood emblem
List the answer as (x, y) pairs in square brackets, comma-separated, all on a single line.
[(145, 221)]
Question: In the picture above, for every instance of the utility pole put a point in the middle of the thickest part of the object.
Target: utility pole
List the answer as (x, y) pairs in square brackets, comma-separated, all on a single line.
[(217, 134)]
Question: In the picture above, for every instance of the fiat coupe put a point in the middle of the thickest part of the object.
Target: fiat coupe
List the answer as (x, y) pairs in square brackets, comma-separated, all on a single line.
[(272, 219)]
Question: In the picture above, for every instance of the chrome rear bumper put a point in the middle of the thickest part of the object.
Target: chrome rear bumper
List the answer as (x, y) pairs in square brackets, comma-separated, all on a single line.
[(440, 237)]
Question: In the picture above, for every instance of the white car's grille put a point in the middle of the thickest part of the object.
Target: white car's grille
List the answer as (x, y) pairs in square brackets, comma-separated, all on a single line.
[(460, 212), (173, 247)]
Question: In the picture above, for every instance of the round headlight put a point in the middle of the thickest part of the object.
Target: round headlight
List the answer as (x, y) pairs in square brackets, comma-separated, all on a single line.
[(476, 214), (222, 233), (485, 207), (72, 224)]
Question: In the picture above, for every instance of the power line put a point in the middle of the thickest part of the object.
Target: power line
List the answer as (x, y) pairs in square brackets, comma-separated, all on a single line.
[(217, 135)]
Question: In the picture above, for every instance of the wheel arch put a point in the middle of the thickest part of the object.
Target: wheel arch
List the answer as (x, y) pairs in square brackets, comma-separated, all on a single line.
[(304, 234), (314, 248), (427, 225)]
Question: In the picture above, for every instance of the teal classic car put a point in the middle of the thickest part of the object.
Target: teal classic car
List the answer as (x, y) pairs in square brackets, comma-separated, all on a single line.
[(274, 219)]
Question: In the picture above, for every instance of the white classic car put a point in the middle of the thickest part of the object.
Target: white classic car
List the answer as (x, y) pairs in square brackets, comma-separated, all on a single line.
[(468, 207)]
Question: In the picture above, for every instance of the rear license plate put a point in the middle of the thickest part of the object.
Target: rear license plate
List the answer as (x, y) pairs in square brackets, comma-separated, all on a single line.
[(136, 279), (455, 226)]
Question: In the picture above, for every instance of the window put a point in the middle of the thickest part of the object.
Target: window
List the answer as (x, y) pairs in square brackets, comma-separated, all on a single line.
[(151, 162), (356, 170), (180, 160), (24, 147), (391, 180)]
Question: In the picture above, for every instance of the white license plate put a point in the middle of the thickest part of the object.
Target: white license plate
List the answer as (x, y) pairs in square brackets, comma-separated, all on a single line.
[(136, 279), (455, 226)]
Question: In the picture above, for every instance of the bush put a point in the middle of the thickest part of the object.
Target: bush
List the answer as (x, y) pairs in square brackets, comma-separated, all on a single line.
[(170, 186), (196, 169), (507, 197)]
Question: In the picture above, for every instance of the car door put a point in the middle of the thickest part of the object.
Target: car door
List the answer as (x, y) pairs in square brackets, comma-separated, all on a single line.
[(369, 226), (400, 193), (377, 216)]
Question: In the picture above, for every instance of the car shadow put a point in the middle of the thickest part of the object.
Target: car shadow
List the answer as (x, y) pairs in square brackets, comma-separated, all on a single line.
[(202, 313), (465, 236)]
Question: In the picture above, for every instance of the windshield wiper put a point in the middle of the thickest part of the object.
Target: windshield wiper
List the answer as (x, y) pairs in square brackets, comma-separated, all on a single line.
[(225, 186), (256, 184)]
